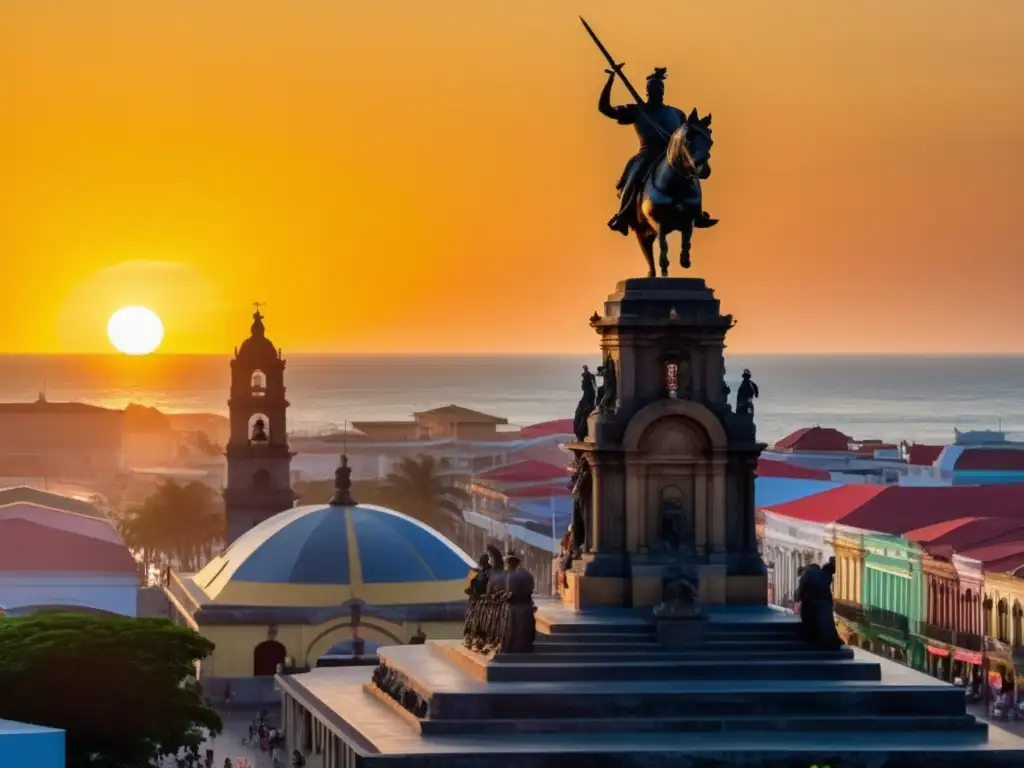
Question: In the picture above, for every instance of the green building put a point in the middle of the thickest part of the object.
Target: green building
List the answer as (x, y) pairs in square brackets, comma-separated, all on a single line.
[(894, 598)]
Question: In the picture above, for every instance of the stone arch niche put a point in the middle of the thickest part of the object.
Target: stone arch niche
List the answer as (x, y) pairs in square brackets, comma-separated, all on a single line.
[(675, 481)]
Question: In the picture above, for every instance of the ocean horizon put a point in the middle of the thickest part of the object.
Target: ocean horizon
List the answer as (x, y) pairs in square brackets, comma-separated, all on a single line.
[(919, 398)]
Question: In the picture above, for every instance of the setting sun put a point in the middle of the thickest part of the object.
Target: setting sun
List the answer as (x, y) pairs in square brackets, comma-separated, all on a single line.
[(135, 330)]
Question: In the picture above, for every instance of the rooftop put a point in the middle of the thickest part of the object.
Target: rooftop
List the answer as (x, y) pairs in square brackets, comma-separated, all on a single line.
[(772, 468), (529, 471), (815, 439), (44, 406), (462, 415)]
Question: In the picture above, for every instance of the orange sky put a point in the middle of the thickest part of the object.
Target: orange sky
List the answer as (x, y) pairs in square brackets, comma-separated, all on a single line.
[(373, 171)]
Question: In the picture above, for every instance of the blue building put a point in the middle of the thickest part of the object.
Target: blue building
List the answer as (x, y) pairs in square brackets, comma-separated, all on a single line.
[(30, 745)]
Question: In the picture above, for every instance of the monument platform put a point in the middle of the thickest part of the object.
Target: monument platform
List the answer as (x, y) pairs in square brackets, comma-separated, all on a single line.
[(600, 691)]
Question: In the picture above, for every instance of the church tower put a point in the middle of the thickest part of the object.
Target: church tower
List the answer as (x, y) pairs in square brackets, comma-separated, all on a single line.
[(258, 458)]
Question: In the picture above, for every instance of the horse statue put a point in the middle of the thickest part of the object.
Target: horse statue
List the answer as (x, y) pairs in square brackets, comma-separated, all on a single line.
[(671, 200)]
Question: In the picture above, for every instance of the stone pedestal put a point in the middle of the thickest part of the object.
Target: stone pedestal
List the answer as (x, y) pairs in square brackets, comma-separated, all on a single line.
[(673, 466)]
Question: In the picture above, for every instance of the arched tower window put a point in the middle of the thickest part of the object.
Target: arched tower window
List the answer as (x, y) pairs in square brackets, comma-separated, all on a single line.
[(259, 429), (258, 382), (1003, 626)]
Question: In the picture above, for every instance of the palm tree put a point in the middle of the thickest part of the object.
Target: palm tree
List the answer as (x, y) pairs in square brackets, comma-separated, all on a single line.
[(417, 488), (182, 523)]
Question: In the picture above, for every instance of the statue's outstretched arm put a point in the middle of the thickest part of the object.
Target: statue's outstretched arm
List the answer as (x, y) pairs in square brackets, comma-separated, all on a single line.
[(624, 115)]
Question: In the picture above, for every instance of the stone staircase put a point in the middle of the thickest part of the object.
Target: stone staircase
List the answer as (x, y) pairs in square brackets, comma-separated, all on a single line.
[(602, 677)]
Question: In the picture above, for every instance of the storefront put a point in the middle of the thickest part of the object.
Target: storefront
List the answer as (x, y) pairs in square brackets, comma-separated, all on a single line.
[(939, 661), (999, 668), (966, 665)]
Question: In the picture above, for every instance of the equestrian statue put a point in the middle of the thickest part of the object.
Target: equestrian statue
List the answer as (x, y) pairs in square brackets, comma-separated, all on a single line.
[(659, 189)]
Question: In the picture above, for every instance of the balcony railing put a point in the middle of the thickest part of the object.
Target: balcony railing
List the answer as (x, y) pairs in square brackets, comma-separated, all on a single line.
[(970, 641), (937, 633), (849, 611), (895, 622)]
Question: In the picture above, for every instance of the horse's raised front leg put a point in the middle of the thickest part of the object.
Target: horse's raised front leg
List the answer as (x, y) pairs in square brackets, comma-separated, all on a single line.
[(646, 240), (684, 253), (663, 231)]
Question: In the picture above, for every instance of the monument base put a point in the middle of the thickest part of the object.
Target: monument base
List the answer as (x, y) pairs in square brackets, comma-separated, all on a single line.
[(601, 690), (644, 588)]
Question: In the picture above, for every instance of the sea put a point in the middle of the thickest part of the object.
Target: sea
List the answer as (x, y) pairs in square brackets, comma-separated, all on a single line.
[(920, 399)]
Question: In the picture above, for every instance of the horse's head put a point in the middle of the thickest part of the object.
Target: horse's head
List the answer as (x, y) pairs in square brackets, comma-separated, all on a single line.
[(689, 148)]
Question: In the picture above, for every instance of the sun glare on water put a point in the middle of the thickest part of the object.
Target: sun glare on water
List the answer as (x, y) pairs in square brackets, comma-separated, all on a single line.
[(135, 330)]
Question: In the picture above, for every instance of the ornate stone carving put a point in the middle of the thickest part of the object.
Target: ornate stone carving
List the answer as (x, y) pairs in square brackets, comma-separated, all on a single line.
[(677, 523), (396, 686), (674, 436), (680, 600)]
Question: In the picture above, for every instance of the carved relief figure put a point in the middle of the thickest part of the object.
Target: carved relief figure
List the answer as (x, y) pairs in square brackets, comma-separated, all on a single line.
[(608, 397), (677, 529), (587, 403), (582, 485)]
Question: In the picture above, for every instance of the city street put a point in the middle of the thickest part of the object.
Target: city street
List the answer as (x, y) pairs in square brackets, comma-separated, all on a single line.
[(230, 742)]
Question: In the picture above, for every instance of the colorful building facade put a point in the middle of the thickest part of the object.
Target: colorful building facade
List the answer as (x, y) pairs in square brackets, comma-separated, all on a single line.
[(893, 597)]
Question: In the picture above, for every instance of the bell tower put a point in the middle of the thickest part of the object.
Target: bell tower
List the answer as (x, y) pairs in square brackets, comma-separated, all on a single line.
[(258, 458)]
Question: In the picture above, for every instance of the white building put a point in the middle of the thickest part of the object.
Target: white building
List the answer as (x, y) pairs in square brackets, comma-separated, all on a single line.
[(58, 552), (788, 544)]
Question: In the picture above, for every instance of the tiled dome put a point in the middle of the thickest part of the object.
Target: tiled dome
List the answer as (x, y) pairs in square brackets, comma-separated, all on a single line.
[(339, 553)]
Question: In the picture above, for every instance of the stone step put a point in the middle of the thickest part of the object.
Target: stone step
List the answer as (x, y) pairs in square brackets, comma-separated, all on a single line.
[(597, 637), (559, 654), (755, 627), (725, 671), (543, 647), (586, 628), (749, 645), (740, 724), (687, 699), (724, 634)]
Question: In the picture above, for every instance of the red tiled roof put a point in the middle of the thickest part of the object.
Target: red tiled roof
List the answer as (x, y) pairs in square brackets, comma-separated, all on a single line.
[(991, 459), (923, 455), (932, 533), (545, 491), (999, 558), (545, 428), (815, 439), (772, 468), (527, 471), (982, 532), (26, 546), (829, 506), (898, 509)]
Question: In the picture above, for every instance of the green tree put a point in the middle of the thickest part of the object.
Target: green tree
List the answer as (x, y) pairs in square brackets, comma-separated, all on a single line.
[(417, 488), (121, 688), (182, 523)]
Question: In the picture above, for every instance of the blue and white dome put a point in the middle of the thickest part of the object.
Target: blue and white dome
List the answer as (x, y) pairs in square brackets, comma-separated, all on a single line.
[(328, 555)]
